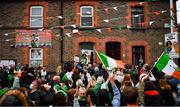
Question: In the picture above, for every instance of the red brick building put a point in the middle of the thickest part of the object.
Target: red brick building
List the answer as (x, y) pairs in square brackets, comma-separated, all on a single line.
[(128, 30)]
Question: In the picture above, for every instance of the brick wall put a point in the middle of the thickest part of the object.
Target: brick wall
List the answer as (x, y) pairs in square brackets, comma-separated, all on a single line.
[(11, 15), (149, 38), (16, 15)]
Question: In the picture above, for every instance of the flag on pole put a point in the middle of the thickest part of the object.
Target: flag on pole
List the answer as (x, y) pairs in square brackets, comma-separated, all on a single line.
[(109, 62), (166, 65)]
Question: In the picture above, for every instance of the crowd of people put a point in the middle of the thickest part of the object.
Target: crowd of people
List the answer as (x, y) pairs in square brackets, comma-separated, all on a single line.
[(77, 84)]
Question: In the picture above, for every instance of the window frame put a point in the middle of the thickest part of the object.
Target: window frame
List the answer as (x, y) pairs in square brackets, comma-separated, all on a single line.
[(92, 16), (139, 52), (141, 17), (82, 46), (35, 59), (36, 16)]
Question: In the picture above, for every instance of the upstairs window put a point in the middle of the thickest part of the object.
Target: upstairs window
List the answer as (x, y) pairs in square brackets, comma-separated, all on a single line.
[(86, 16), (36, 16), (137, 16)]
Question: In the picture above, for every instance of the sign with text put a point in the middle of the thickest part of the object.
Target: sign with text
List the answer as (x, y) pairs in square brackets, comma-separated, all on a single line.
[(33, 38), (172, 45)]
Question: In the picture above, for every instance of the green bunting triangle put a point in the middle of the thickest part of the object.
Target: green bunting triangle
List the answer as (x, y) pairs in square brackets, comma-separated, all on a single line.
[(89, 31), (115, 19), (119, 27)]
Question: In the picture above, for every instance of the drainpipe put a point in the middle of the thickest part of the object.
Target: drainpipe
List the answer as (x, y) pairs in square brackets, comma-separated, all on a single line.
[(61, 35), (171, 15)]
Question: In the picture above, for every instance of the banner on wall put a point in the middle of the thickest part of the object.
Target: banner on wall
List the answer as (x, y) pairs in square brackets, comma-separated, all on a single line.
[(172, 45), (33, 38)]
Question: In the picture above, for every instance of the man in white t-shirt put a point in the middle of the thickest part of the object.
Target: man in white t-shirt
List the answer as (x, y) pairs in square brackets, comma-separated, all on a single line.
[(43, 73)]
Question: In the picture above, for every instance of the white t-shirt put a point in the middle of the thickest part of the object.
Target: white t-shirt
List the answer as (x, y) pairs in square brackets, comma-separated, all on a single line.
[(43, 74)]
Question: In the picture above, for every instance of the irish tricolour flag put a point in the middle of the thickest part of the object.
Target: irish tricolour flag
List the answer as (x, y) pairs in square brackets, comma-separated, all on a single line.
[(109, 62), (166, 65)]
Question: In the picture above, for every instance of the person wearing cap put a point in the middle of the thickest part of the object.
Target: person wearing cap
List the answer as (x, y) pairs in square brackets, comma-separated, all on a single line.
[(140, 86)]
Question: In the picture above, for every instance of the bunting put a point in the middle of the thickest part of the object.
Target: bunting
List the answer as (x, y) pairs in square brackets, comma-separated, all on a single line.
[(68, 34), (118, 27)]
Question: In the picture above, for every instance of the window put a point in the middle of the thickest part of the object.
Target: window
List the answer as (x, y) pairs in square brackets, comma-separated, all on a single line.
[(86, 18), (88, 49), (137, 17), (36, 16), (36, 57), (138, 55), (113, 50)]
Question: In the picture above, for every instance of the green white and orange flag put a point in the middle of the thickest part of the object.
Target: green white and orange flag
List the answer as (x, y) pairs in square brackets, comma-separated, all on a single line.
[(109, 62), (166, 65)]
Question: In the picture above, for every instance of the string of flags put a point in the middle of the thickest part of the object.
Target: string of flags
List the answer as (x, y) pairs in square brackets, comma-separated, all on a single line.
[(119, 27), (116, 7), (106, 9), (100, 30), (137, 15), (118, 18), (77, 31)]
